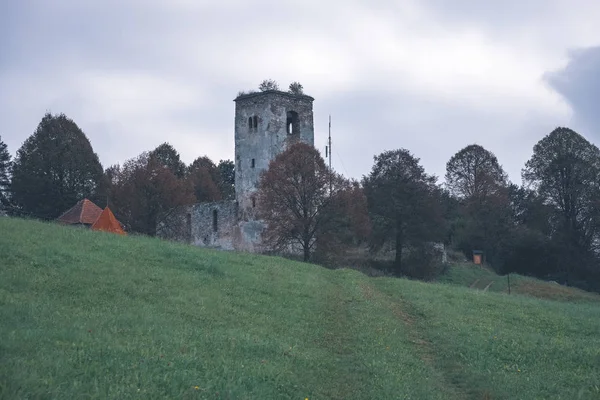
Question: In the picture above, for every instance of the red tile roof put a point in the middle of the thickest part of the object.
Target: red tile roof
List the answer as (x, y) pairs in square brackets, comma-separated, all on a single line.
[(108, 223), (84, 212)]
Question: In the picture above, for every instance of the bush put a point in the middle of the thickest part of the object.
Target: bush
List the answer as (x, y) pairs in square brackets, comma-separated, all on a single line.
[(423, 262)]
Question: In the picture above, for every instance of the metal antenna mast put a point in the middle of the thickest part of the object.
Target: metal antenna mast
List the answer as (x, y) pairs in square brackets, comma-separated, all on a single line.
[(330, 141), (328, 154)]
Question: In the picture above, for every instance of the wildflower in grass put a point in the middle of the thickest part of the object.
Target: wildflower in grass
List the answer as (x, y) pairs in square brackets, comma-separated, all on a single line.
[(196, 387)]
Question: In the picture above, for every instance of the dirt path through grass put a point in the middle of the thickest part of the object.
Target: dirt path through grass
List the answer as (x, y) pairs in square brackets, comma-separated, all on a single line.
[(338, 339), (404, 312), (371, 353)]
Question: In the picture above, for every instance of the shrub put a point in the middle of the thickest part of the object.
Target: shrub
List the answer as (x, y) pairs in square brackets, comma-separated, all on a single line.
[(423, 262)]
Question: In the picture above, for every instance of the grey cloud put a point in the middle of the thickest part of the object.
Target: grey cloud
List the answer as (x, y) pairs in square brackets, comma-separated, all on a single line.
[(579, 83), (45, 47), (366, 123)]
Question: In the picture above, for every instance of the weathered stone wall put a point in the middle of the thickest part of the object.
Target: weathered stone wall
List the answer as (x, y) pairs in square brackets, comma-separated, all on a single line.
[(202, 224), (261, 133), (247, 236), (266, 123)]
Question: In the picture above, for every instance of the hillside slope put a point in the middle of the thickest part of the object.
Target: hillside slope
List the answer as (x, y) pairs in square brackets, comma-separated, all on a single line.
[(93, 315), (484, 278)]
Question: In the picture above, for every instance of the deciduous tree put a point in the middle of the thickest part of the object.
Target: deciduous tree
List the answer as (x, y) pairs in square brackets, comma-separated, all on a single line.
[(474, 173), (564, 170), (5, 175), (144, 189), (205, 178), (295, 201), (167, 156), (54, 168), (475, 177), (404, 203), (227, 179)]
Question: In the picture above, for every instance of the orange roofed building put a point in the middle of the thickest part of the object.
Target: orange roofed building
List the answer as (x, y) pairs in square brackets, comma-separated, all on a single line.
[(108, 223), (88, 214)]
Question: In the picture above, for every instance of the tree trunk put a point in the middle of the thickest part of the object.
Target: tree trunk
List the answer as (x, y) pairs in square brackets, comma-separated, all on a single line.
[(399, 245), (306, 252)]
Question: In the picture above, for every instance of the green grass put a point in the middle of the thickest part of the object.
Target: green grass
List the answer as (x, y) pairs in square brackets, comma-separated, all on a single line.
[(484, 278), (92, 315)]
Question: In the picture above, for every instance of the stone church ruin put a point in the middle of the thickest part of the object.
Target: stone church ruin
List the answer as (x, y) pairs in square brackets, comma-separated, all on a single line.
[(266, 123)]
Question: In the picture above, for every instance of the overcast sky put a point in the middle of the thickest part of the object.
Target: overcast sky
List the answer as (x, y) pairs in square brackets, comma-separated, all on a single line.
[(431, 76)]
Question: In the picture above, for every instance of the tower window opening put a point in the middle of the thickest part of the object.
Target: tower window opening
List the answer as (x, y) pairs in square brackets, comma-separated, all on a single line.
[(292, 123), (250, 123), (215, 220), (253, 202), (255, 119), (253, 163)]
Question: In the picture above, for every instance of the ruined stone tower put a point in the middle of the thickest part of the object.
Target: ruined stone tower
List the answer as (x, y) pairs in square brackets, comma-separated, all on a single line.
[(265, 124)]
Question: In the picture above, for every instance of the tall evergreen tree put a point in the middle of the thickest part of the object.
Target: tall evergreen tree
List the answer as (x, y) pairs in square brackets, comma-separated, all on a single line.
[(54, 168)]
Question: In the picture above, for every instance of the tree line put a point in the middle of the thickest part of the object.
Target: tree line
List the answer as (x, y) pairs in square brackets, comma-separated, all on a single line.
[(548, 226), (56, 167)]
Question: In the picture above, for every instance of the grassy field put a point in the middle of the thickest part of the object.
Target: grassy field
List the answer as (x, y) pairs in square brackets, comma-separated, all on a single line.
[(88, 315), (484, 278)]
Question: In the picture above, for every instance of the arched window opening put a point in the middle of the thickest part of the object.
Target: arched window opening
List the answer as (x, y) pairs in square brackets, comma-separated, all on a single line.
[(255, 122), (253, 202), (253, 163), (249, 122), (215, 220), (292, 123)]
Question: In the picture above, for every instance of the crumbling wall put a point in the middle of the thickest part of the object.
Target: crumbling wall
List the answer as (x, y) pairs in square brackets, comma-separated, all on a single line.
[(213, 223), (203, 224)]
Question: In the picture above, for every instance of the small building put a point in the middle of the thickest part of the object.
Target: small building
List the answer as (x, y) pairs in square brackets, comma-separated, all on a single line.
[(107, 222), (477, 257), (87, 214), (84, 213)]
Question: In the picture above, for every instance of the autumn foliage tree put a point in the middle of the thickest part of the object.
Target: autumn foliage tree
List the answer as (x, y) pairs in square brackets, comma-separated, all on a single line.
[(143, 189), (205, 177), (54, 169), (295, 201)]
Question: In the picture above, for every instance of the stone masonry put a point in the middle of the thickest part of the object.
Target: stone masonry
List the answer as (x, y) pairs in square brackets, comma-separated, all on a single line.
[(266, 123)]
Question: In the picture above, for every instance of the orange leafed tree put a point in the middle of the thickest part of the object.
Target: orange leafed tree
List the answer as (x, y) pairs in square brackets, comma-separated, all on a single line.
[(301, 200), (143, 189)]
